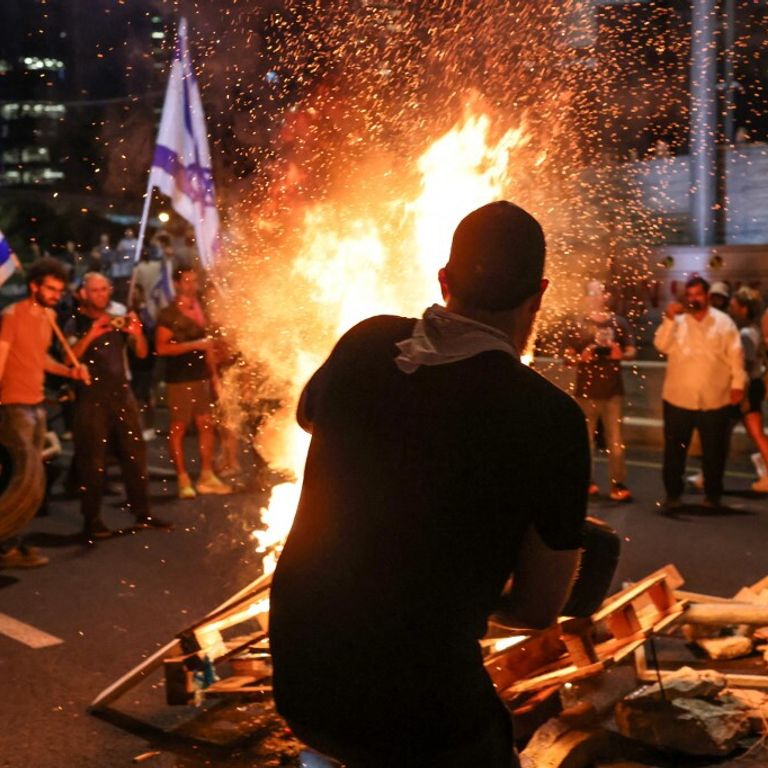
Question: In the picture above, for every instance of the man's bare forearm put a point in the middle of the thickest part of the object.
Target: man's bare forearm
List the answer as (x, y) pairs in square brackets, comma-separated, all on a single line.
[(56, 368)]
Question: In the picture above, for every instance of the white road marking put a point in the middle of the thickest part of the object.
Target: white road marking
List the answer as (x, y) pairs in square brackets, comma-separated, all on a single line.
[(26, 633)]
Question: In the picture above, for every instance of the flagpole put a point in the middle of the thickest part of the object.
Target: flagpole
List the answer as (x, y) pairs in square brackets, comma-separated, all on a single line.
[(142, 233), (182, 169)]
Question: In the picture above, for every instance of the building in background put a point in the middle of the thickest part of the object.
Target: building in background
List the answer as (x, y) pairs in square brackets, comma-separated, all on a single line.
[(35, 85), (76, 78)]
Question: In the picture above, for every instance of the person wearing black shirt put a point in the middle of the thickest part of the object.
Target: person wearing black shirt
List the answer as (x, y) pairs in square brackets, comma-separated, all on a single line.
[(191, 381), (427, 484), (106, 413)]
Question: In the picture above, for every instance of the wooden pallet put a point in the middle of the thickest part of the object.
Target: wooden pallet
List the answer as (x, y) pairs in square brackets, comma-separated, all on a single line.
[(203, 645), (749, 606), (578, 648), (571, 650)]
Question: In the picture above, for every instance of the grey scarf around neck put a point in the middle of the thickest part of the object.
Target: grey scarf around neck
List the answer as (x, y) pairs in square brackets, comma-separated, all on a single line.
[(442, 337)]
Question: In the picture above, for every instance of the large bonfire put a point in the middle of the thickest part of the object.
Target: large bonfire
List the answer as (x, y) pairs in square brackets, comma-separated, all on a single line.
[(409, 117)]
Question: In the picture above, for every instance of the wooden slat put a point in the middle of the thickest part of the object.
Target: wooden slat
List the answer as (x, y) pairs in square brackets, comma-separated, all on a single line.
[(172, 648), (135, 675), (698, 597), (761, 585), (560, 676), (634, 591), (630, 616), (623, 622), (247, 687)]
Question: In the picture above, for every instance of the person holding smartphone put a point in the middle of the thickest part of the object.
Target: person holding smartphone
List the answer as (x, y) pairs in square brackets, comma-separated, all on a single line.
[(596, 345), (705, 376), (106, 410)]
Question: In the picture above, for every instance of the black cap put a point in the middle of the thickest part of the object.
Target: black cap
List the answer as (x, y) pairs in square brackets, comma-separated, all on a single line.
[(497, 257)]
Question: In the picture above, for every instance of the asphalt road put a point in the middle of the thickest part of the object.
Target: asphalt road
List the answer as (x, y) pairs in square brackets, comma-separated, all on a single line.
[(113, 603)]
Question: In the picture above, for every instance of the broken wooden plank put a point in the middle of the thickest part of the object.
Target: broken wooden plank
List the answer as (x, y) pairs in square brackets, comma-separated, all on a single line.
[(135, 675), (238, 686), (698, 597), (668, 573), (173, 648), (562, 675), (720, 614), (734, 680)]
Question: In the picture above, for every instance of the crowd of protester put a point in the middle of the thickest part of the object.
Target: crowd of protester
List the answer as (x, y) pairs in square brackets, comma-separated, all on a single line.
[(111, 335), (136, 330), (714, 340)]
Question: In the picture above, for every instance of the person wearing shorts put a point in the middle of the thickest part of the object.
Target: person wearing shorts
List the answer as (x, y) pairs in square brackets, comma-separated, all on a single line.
[(190, 376)]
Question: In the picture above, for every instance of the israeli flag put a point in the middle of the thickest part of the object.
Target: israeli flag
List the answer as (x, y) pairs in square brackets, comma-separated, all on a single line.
[(181, 167), (8, 260)]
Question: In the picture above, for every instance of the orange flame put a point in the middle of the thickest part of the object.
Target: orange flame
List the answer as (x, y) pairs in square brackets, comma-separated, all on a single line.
[(350, 268)]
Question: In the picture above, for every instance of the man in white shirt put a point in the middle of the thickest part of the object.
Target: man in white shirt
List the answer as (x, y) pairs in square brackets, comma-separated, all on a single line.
[(705, 376)]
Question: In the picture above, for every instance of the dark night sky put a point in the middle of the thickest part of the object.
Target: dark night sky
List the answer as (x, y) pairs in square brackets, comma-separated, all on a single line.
[(104, 45)]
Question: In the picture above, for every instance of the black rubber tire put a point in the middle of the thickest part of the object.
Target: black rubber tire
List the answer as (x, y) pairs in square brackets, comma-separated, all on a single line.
[(22, 483)]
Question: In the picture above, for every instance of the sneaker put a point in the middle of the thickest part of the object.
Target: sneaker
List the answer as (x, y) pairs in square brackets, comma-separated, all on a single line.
[(697, 480), (210, 484), (593, 490), (187, 492), (22, 557), (761, 485), (95, 529), (620, 492), (148, 435), (711, 502), (760, 468), (153, 521)]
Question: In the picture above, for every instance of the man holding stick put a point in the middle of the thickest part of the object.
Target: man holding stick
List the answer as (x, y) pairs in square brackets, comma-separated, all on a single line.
[(427, 484), (25, 338)]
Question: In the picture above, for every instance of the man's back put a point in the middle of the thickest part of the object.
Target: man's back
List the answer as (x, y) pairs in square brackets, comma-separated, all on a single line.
[(417, 493)]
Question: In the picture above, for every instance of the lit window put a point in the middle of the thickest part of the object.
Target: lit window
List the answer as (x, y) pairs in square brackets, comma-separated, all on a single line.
[(38, 109), (9, 111), (11, 176), (35, 155), (42, 176), (36, 63)]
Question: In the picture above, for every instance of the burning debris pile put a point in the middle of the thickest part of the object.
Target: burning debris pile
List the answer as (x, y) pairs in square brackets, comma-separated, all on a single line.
[(697, 701), (574, 696)]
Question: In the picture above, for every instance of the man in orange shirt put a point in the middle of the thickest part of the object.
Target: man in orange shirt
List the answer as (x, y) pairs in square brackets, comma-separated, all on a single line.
[(25, 337)]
